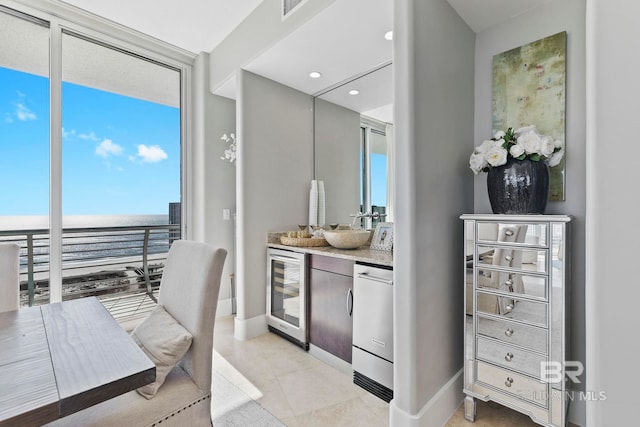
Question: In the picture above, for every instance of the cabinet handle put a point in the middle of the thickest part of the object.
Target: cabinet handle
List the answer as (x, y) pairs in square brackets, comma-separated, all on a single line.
[(508, 258), (367, 276), (509, 307), (508, 232), (508, 357), (508, 382), (350, 302), (508, 332)]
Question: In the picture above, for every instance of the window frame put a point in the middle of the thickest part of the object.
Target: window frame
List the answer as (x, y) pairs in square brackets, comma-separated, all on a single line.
[(63, 17)]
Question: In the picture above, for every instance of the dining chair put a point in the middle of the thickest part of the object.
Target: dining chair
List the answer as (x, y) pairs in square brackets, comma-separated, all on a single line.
[(189, 292), (9, 277)]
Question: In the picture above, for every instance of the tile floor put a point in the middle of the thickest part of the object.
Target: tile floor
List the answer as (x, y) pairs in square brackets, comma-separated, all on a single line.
[(300, 390)]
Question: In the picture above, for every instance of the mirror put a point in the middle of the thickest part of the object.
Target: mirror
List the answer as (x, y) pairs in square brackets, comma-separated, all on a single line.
[(353, 146)]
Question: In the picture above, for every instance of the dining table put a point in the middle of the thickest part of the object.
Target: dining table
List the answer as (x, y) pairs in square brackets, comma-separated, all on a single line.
[(60, 358)]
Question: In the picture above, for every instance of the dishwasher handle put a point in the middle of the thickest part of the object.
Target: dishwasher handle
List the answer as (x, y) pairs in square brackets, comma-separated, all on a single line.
[(350, 302), (368, 276)]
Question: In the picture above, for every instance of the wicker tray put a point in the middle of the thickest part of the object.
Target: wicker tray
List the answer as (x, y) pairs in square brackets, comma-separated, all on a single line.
[(303, 242)]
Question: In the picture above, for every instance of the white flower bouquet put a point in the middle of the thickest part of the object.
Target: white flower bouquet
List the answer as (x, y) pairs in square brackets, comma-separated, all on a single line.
[(520, 144), (229, 153)]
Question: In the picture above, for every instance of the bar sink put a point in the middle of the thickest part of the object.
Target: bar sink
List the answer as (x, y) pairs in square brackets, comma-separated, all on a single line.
[(347, 239)]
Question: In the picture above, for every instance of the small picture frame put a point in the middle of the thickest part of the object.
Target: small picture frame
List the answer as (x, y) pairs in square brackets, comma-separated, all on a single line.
[(383, 237)]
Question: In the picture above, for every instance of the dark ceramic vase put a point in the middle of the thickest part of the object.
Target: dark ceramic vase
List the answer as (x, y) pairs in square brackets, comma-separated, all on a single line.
[(519, 187)]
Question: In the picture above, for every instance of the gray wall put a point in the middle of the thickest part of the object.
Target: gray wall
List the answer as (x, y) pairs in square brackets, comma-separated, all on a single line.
[(337, 159), (551, 18), (433, 85), (612, 293), (275, 131), (220, 184)]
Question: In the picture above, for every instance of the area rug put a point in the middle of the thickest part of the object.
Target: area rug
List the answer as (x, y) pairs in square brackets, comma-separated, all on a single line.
[(231, 407)]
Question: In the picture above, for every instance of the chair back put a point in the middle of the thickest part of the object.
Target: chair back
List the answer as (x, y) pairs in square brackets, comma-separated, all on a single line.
[(189, 292), (9, 277)]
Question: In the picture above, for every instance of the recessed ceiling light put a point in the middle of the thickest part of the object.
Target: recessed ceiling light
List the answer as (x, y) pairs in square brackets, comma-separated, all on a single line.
[(315, 74), (388, 35), (354, 92)]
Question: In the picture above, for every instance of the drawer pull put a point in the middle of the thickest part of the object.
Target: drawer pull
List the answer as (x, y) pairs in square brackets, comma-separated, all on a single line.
[(508, 382), (508, 332), (508, 232), (508, 258), (509, 285), (509, 308), (508, 357)]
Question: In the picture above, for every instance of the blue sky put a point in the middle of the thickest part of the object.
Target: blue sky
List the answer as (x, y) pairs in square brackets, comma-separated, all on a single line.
[(378, 179), (120, 155)]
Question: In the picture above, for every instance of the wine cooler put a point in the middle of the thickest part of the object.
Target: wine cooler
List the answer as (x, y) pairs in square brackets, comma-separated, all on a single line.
[(287, 295)]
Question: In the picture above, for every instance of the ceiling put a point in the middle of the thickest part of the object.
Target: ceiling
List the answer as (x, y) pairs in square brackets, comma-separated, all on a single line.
[(193, 25), (343, 41), (483, 14)]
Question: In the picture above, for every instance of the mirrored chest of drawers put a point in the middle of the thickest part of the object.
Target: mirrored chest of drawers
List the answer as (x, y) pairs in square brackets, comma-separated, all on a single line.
[(516, 313)]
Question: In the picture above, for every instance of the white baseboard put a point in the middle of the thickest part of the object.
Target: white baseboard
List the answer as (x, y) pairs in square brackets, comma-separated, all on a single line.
[(437, 411), (224, 308), (245, 329)]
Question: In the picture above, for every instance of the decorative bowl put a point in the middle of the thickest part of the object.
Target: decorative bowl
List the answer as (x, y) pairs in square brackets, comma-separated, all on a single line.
[(347, 239)]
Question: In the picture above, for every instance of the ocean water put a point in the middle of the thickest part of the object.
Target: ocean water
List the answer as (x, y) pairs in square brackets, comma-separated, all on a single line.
[(84, 246), (41, 222)]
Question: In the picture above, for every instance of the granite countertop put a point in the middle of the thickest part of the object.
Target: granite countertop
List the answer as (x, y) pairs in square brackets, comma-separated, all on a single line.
[(362, 254)]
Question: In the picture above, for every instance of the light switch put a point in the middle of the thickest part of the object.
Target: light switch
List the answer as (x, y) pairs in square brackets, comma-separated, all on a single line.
[(226, 214)]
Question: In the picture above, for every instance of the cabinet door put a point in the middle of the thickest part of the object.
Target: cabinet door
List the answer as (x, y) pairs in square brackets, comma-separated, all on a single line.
[(331, 325)]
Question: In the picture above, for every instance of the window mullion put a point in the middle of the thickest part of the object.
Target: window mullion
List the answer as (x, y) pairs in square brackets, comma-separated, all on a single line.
[(55, 166)]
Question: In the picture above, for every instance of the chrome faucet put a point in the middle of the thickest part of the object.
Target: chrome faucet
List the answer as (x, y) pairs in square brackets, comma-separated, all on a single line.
[(372, 215)]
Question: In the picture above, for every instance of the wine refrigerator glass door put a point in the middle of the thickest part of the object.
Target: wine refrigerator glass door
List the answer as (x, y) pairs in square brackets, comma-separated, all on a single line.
[(286, 298)]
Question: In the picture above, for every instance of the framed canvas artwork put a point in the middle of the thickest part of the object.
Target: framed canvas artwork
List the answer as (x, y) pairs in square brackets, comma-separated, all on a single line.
[(529, 89)]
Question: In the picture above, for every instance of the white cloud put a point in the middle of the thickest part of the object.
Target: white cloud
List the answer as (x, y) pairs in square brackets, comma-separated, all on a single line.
[(89, 136), (68, 134), (151, 154), (20, 112), (108, 148), (23, 113)]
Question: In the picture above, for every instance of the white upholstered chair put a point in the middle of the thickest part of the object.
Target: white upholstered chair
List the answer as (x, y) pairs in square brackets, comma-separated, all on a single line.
[(9, 277), (189, 292)]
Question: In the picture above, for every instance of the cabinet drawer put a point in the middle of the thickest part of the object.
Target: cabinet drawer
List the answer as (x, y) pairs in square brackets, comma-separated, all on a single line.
[(513, 283), (332, 264), (523, 234), (512, 308), (514, 333), (524, 361), (517, 258), (522, 387)]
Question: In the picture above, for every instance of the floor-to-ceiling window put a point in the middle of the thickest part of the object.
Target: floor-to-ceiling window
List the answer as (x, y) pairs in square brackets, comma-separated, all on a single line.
[(90, 156), (24, 137)]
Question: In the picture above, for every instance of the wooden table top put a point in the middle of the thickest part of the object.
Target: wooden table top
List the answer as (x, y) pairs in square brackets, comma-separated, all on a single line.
[(60, 358)]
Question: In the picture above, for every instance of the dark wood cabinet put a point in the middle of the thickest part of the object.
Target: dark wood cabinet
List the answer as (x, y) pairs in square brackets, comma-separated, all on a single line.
[(331, 305)]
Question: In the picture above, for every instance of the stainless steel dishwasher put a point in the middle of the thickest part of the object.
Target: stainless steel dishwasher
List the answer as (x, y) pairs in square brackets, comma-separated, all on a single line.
[(372, 357)]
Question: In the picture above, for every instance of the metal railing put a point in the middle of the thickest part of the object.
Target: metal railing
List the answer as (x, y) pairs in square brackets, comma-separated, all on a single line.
[(97, 261)]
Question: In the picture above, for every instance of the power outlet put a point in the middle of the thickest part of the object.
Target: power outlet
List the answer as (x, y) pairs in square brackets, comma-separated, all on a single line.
[(226, 214)]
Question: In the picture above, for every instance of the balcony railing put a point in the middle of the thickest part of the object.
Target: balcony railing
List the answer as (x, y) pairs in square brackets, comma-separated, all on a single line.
[(101, 261)]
